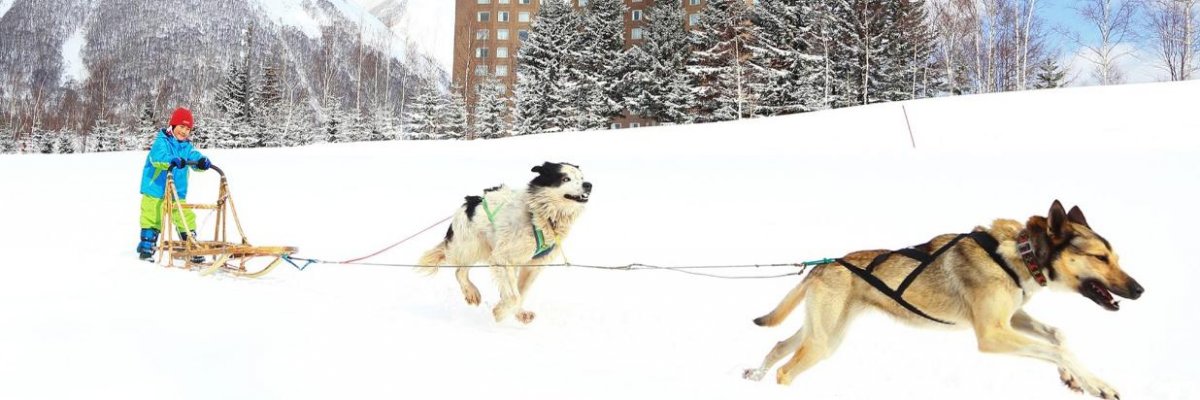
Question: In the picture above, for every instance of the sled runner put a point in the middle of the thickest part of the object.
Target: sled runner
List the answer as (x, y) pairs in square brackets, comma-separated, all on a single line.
[(240, 258)]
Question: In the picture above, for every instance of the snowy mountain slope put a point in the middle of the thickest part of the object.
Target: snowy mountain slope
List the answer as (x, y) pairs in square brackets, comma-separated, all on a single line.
[(310, 15), (773, 190), (156, 55), (4, 6)]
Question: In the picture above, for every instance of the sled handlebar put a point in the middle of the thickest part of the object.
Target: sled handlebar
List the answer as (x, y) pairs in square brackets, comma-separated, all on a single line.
[(212, 167)]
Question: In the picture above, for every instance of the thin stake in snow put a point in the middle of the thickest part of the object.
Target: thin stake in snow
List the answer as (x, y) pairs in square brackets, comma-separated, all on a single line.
[(909, 124)]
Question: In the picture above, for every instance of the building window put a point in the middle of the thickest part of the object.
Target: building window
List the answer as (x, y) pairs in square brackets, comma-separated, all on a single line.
[(637, 15), (483, 16), (694, 19), (502, 70), (635, 125), (483, 2), (502, 16), (523, 16), (502, 34), (501, 52), (481, 52), (583, 3), (523, 2), (694, 2), (636, 33), (503, 1), (523, 35), (615, 125), (481, 70), (481, 34)]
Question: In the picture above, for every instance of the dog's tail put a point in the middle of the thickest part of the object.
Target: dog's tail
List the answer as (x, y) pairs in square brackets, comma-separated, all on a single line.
[(432, 259), (785, 307)]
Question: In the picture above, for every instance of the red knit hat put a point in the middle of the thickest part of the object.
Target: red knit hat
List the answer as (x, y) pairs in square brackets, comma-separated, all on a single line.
[(182, 116)]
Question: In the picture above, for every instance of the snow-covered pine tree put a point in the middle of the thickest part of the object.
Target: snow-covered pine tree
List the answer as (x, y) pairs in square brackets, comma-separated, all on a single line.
[(216, 133), (1050, 75), (906, 65), (332, 128), (40, 140), (598, 65), (380, 124), (787, 58), (233, 102), (7, 142), (588, 98), (860, 63), (146, 128), (545, 88), (65, 142), (298, 126), (268, 105), (104, 137), (455, 124), (658, 85), (423, 119), (357, 127), (721, 44), (491, 110)]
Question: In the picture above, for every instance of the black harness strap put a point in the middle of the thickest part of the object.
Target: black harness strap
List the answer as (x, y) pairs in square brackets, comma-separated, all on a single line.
[(883, 287), (985, 240), (989, 244), (921, 268)]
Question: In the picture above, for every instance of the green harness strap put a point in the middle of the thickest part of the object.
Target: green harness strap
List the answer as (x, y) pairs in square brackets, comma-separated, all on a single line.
[(543, 247), (490, 214)]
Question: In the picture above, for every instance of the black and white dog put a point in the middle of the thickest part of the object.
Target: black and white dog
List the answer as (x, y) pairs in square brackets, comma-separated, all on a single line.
[(515, 232)]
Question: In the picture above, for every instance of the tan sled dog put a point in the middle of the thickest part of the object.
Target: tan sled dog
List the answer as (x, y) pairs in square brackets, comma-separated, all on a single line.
[(514, 232), (978, 280)]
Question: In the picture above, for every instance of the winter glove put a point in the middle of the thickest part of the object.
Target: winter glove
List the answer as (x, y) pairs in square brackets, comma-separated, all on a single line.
[(178, 163), (203, 163)]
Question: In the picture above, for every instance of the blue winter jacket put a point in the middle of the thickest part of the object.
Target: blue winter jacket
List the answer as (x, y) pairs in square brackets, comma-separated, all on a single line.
[(154, 174)]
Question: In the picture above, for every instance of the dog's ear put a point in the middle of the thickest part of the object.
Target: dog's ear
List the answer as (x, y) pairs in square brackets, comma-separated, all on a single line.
[(545, 167), (1056, 220), (1076, 216)]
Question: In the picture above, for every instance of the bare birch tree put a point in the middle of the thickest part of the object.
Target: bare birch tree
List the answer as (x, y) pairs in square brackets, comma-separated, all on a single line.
[(1172, 25), (1113, 22)]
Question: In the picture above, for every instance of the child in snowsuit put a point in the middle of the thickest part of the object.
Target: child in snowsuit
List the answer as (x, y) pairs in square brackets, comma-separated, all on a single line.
[(172, 150)]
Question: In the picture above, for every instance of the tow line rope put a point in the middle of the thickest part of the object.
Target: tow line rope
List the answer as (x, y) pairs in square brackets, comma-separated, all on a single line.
[(303, 263)]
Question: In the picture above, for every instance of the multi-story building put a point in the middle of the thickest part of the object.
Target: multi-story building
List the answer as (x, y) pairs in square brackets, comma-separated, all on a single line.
[(488, 35)]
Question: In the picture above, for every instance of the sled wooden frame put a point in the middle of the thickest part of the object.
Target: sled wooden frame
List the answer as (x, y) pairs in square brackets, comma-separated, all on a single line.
[(226, 256)]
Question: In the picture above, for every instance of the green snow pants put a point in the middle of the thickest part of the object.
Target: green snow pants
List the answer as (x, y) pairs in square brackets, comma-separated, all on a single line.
[(152, 216)]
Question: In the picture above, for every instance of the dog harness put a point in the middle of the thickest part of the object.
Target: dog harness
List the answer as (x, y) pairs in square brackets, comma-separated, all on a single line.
[(543, 247), (986, 241)]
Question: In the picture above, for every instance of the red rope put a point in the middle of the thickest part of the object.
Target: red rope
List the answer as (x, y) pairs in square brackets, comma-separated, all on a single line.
[(397, 243)]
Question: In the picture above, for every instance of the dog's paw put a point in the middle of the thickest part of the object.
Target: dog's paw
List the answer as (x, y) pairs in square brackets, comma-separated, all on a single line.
[(500, 312), (753, 374), (1099, 388), (525, 316), (472, 296), (1069, 380)]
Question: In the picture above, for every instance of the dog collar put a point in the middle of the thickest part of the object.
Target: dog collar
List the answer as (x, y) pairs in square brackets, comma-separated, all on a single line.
[(1029, 255)]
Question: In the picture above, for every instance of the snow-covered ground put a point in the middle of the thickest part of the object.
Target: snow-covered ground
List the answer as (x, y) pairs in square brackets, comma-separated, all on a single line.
[(81, 318)]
